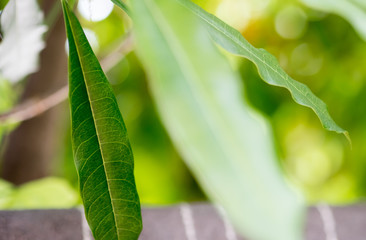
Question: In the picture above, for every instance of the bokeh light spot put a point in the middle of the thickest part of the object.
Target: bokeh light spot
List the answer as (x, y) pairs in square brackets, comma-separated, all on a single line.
[(236, 13), (95, 10), (305, 61), (291, 22)]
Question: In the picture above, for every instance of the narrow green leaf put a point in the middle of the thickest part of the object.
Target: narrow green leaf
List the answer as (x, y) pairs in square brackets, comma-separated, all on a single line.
[(268, 67), (3, 4), (102, 152), (354, 11), (45, 193), (6, 193), (228, 147), (122, 5), (7, 100)]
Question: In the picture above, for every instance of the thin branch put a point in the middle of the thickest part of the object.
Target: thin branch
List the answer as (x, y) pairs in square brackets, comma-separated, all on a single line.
[(36, 106), (126, 46)]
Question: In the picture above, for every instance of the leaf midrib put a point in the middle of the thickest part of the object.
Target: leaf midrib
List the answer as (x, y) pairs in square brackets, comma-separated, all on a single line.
[(95, 125), (234, 39), (182, 60), (186, 64), (237, 41)]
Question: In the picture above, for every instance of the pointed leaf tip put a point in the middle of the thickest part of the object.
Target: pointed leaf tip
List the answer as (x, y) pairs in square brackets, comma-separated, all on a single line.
[(102, 152), (267, 65)]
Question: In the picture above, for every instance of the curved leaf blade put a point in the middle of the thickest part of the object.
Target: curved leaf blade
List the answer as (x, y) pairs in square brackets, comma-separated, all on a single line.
[(102, 152), (227, 146), (267, 65), (7, 101), (3, 4), (354, 11), (122, 5)]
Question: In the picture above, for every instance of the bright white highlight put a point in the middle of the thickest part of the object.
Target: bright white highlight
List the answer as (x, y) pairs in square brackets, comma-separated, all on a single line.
[(328, 221), (188, 222), (95, 10), (22, 27), (229, 230), (84, 225)]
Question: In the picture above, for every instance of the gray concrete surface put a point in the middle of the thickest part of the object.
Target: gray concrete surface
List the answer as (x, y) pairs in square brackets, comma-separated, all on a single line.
[(180, 222)]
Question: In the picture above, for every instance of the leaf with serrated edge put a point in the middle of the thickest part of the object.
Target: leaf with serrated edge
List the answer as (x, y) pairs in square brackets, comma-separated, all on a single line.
[(227, 146), (268, 67), (102, 152)]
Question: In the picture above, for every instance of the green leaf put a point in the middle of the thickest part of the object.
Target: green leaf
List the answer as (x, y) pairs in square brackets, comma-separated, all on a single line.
[(3, 4), (7, 100), (102, 152), (228, 147), (268, 67), (122, 5), (48, 193), (22, 28), (6, 193), (354, 11)]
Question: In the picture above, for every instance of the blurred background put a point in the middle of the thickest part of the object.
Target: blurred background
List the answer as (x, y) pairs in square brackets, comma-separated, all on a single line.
[(320, 46)]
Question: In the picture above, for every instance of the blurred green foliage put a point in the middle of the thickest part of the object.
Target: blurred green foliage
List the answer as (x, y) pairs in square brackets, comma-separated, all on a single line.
[(49, 192), (325, 53), (7, 100), (328, 56)]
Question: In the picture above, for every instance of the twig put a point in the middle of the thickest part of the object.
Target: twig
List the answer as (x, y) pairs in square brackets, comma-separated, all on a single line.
[(115, 56), (36, 106)]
